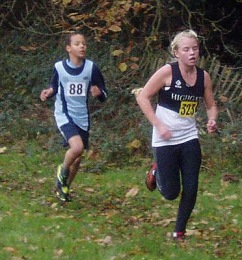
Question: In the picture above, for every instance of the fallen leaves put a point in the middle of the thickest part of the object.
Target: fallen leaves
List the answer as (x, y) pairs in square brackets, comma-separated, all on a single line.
[(117, 52), (135, 144), (227, 177), (91, 190), (28, 48), (104, 241), (123, 67), (58, 253), (115, 28), (231, 197), (10, 249), (66, 2), (165, 222), (132, 192), (113, 208), (3, 149)]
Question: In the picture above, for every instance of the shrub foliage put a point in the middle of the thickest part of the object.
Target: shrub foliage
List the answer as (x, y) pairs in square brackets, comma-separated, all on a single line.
[(129, 41)]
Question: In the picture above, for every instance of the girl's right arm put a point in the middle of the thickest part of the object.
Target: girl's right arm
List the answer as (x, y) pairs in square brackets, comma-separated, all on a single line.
[(157, 81)]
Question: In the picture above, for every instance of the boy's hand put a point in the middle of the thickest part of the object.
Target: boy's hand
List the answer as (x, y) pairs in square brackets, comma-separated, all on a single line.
[(45, 93), (95, 91)]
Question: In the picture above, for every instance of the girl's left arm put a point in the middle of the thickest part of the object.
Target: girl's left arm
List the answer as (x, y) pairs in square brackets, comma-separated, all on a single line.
[(211, 107)]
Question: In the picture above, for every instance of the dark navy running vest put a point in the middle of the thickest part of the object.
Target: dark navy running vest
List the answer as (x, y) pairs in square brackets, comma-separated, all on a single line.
[(180, 97)]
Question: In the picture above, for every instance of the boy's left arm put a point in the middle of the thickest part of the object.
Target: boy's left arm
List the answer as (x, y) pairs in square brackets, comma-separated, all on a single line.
[(98, 88)]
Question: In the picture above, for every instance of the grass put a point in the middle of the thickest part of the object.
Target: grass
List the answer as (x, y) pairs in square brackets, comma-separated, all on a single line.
[(113, 215)]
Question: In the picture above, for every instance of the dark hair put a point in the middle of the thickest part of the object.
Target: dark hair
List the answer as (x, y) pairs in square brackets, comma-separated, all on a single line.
[(69, 35)]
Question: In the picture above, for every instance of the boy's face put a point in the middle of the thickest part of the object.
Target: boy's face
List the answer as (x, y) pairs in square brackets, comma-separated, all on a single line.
[(77, 48)]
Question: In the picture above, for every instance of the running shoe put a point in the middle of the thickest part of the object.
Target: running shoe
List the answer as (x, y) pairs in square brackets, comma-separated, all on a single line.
[(62, 189), (179, 236), (150, 177), (62, 192), (61, 177)]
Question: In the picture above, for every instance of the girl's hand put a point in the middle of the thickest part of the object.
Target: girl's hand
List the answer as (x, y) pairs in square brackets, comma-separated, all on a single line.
[(211, 126), (95, 91), (164, 132)]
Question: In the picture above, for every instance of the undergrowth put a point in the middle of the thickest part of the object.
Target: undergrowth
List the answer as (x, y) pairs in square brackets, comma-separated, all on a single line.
[(120, 135)]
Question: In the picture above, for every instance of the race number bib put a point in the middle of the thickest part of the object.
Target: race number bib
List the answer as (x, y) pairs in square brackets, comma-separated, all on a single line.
[(76, 89), (188, 108)]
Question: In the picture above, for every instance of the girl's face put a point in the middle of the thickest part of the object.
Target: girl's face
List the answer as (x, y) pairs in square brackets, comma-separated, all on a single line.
[(188, 51), (77, 47)]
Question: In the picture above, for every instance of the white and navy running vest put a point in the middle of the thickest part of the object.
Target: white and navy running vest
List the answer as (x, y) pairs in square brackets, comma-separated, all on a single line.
[(177, 107), (71, 103)]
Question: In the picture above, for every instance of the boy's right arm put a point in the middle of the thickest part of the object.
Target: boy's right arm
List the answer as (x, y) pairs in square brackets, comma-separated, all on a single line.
[(52, 89)]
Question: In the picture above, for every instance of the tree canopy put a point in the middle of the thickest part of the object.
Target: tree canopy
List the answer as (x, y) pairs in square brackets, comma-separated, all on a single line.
[(132, 25)]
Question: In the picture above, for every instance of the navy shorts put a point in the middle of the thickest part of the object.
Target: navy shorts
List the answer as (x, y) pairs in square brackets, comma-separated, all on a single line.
[(70, 129)]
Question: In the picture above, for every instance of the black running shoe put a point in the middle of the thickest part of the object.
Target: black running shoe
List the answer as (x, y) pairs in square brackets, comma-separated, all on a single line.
[(61, 177), (62, 192), (62, 189)]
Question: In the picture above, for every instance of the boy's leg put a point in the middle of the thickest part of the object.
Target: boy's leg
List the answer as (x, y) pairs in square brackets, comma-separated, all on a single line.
[(73, 170), (77, 141), (83, 143), (74, 152), (69, 167)]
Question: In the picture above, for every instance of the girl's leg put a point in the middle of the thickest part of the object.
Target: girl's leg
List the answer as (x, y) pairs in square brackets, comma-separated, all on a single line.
[(167, 174), (190, 161)]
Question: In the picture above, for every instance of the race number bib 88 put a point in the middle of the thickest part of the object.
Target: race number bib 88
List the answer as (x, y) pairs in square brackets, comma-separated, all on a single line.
[(188, 108), (76, 89)]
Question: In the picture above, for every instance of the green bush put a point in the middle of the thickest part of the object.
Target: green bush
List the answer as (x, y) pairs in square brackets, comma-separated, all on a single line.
[(119, 133)]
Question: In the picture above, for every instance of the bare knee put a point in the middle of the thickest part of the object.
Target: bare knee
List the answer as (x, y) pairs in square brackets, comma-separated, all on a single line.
[(76, 146), (76, 151)]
